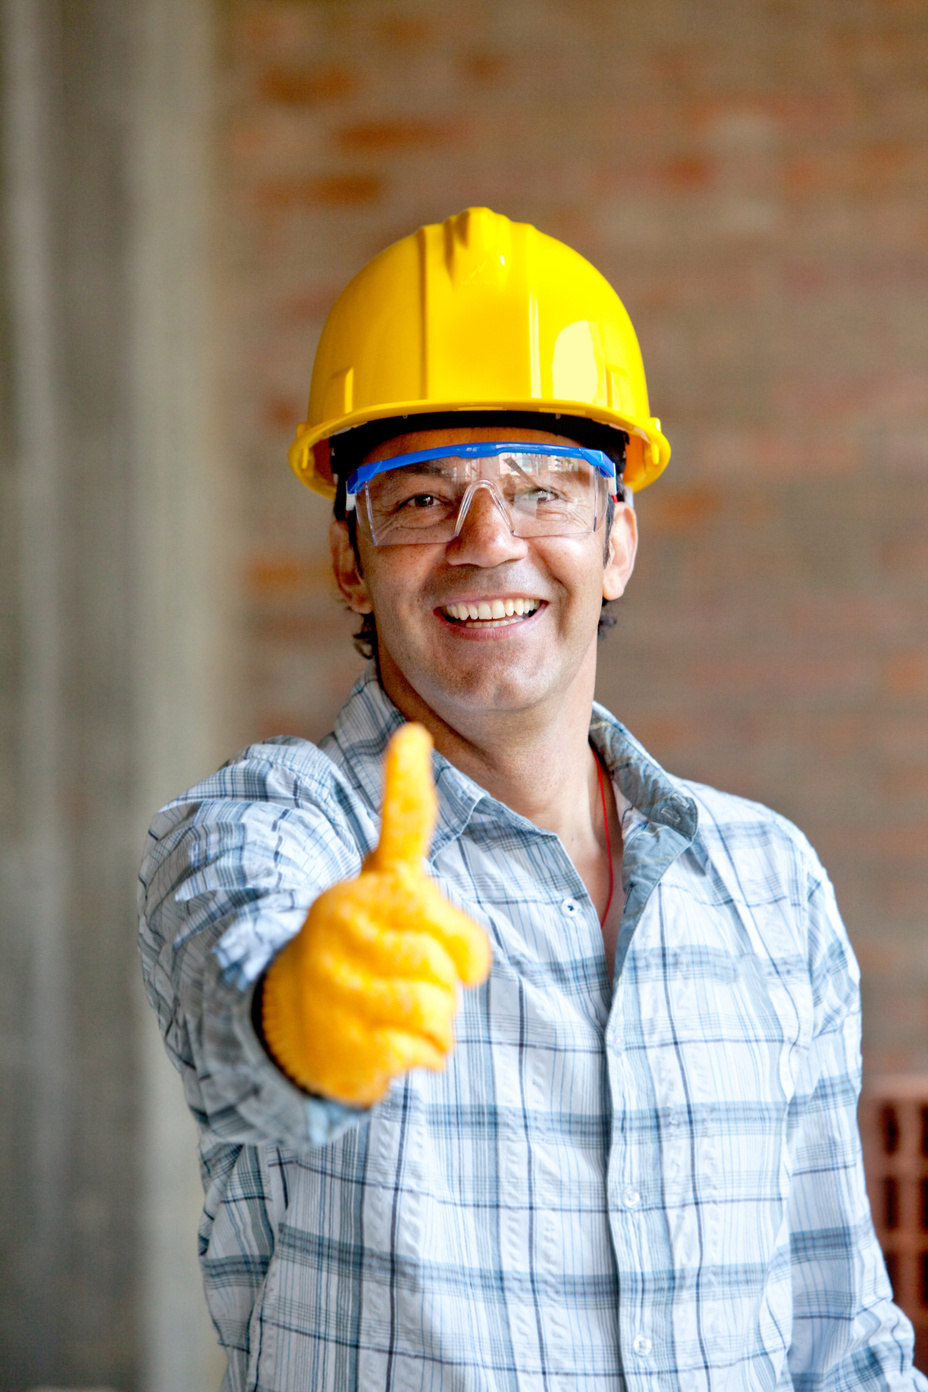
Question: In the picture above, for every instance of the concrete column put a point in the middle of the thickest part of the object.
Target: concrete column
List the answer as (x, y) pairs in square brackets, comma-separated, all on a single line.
[(182, 531), (35, 1114), (110, 634)]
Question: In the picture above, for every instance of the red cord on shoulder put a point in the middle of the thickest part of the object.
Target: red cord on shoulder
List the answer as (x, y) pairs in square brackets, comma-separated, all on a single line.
[(602, 794)]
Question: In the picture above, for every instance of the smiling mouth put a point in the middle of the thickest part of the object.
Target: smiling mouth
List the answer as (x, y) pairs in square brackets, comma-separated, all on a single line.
[(491, 613)]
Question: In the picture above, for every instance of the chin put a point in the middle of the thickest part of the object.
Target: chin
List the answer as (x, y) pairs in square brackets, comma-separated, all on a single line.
[(480, 678), (480, 690)]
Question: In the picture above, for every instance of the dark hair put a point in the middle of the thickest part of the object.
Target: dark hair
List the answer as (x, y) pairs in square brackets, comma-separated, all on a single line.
[(347, 451)]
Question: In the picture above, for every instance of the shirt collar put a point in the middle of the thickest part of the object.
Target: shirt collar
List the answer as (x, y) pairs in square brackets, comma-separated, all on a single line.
[(361, 734), (640, 778), (369, 718)]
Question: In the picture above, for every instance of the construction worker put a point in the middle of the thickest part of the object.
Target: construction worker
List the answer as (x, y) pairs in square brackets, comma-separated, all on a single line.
[(547, 1079)]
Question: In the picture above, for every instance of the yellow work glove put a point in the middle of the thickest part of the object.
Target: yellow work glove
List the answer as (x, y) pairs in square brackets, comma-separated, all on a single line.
[(368, 988)]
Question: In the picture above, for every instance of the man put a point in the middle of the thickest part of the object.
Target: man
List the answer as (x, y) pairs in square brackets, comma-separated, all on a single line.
[(639, 1166)]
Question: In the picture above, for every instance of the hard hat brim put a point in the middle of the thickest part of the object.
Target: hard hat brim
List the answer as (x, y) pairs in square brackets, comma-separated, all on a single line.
[(647, 452)]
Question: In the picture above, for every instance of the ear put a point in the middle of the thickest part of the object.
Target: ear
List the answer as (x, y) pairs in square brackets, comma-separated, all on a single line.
[(623, 545), (347, 570)]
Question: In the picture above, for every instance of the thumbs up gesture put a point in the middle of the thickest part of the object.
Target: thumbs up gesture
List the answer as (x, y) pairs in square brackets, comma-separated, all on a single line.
[(368, 988)]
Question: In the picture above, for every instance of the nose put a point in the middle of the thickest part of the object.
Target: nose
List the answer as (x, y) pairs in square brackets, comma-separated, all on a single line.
[(483, 535)]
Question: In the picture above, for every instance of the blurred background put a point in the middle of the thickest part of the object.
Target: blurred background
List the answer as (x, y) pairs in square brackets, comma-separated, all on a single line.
[(185, 186)]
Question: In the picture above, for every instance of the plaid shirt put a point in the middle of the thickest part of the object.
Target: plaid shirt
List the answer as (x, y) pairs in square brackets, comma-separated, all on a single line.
[(652, 1186)]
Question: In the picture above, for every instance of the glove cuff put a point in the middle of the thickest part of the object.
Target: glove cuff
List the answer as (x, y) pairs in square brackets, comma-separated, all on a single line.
[(280, 1021)]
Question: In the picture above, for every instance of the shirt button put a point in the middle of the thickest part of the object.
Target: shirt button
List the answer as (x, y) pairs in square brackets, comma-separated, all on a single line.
[(631, 1198), (642, 1345), (569, 907)]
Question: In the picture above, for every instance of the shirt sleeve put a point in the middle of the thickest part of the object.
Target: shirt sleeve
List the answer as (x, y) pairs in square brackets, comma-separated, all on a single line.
[(230, 872), (847, 1333)]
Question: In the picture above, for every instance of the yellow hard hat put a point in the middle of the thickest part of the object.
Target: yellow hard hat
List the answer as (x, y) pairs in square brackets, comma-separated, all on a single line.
[(474, 314)]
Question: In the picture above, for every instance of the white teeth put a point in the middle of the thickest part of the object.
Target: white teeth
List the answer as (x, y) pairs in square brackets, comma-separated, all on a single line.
[(492, 609)]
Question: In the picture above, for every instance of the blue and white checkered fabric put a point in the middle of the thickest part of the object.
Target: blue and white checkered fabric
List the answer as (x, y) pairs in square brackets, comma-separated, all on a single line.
[(656, 1186)]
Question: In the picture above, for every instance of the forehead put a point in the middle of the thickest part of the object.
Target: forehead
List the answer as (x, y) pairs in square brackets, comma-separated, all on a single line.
[(415, 440)]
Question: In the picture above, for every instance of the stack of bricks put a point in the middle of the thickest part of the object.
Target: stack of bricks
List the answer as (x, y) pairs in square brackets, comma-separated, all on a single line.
[(894, 1125), (754, 181)]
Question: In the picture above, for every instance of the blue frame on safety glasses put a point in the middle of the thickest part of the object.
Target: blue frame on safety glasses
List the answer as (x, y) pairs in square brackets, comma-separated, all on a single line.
[(365, 472), (549, 511)]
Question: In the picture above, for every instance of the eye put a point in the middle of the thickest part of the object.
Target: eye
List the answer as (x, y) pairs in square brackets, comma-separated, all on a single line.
[(538, 496), (422, 500)]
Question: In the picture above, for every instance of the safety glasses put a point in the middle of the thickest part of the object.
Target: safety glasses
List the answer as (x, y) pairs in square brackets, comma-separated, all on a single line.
[(425, 497)]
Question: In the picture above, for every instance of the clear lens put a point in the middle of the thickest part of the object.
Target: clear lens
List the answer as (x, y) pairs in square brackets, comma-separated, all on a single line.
[(538, 494)]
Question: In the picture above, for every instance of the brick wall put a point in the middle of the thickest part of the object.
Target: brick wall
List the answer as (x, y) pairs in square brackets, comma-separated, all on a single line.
[(754, 181)]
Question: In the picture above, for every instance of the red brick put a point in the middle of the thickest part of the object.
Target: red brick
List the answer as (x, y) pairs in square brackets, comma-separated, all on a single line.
[(840, 617), (840, 736), (305, 86), (885, 275), (687, 173), (280, 575), (281, 413), (878, 958), (387, 137), (905, 841), (904, 894), (405, 31), (881, 1059), (867, 171), (907, 781), (776, 675), (682, 509), (327, 191), (741, 452), (904, 556), (831, 392), (901, 736), (869, 51), (672, 66), (905, 674), (483, 69), (257, 28), (665, 735)]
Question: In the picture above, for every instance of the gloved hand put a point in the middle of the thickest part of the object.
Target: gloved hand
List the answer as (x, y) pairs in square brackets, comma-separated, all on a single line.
[(368, 988)]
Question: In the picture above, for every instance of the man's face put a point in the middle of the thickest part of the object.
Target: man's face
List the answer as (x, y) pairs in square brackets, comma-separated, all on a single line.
[(463, 668)]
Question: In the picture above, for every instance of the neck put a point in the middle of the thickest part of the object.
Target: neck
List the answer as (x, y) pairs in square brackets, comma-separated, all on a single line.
[(536, 761)]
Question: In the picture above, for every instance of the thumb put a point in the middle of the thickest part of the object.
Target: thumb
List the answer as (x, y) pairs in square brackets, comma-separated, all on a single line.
[(409, 802)]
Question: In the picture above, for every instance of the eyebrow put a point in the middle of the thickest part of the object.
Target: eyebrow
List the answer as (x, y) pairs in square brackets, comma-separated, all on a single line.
[(425, 466), (437, 466)]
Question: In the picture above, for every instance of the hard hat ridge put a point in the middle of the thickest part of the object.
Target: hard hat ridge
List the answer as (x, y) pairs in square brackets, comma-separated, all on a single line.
[(477, 242)]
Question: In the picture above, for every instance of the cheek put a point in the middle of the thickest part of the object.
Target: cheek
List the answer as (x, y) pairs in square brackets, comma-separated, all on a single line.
[(394, 581), (578, 566)]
